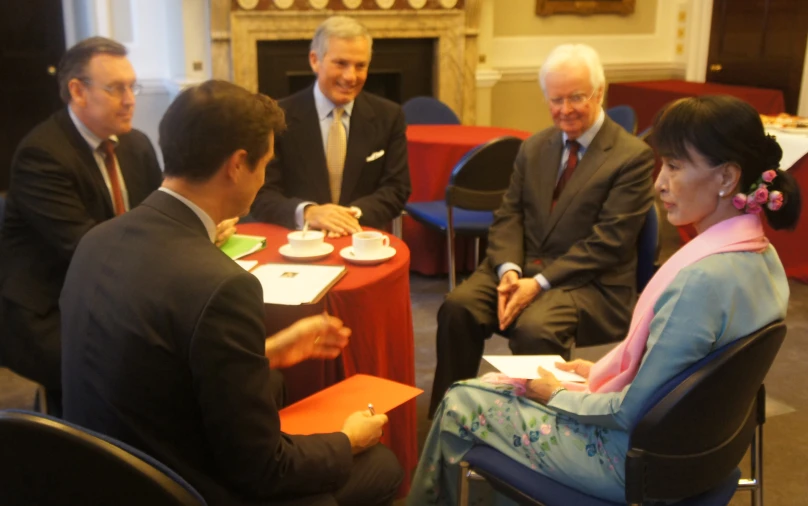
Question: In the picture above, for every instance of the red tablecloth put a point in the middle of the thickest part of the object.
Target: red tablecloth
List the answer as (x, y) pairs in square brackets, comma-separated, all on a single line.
[(791, 245), (433, 152), (374, 302), (648, 97)]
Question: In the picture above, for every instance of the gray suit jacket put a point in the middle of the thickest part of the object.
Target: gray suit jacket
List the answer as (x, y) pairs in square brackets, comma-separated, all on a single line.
[(163, 348), (590, 238), (298, 173)]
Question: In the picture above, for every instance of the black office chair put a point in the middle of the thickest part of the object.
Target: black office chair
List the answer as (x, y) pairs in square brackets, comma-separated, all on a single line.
[(624, 116), (475, 190), (47, 461), (687, 444), (428, 111)]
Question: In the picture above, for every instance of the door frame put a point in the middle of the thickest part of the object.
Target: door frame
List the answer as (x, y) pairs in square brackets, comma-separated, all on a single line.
[(701, 17)]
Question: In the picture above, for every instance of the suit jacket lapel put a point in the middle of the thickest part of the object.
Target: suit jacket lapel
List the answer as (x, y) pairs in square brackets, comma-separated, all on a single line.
[(551, 153), (307, 143), (85, 155), (360, 135), (593, 158)]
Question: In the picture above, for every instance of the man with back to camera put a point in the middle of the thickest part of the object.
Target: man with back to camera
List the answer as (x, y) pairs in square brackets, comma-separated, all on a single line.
[(562, 251), (164, 340), (342, 162), (82, 166)]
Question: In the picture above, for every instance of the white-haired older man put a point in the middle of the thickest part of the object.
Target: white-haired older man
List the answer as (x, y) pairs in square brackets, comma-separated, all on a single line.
[(561, 256), (342, 162)]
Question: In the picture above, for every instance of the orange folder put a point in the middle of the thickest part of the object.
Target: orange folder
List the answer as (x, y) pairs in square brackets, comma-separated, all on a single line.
[(326, 410)]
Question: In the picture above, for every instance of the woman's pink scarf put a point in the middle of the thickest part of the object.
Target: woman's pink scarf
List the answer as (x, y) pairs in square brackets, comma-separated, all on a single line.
[(618, 368)]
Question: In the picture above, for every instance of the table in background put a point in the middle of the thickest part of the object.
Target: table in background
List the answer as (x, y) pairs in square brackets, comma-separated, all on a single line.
[(791, 245), (434, 150), (648, 97), (374, 302)]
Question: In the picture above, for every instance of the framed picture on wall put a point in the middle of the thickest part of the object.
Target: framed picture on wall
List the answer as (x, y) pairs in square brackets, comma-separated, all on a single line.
[(585, 7)]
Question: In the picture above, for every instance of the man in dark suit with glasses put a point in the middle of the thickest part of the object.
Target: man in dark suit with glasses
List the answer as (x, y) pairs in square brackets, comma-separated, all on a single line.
[(80, 167)]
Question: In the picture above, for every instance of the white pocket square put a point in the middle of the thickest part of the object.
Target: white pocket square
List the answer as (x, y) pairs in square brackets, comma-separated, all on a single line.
[(375, 156)]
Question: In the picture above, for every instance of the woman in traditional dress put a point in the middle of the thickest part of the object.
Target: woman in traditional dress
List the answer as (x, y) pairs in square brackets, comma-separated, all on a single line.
[(720, 174)]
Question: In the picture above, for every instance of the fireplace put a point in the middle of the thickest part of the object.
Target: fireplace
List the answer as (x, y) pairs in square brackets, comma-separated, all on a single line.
[(399, 70), (266, 49)]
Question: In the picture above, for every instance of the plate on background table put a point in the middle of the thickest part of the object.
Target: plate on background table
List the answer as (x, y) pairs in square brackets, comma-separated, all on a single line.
[(385, 254), (321, 252)]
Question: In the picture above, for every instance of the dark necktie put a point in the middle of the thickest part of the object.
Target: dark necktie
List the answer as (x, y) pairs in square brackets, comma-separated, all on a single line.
[(107, 147), (569, 168)]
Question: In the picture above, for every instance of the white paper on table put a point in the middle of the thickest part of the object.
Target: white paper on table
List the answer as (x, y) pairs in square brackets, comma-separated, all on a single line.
[(247, 264), (293, 284), (527, 366), (794, 146)]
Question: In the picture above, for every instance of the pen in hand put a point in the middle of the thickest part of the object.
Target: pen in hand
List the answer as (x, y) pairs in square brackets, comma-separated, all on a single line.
[(373, 412)]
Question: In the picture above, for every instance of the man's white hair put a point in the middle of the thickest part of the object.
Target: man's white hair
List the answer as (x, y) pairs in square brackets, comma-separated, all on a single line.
[(341, 27), (566, 54)]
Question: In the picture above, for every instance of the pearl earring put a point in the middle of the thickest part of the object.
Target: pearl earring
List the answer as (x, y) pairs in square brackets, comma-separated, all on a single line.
[(721, 193)]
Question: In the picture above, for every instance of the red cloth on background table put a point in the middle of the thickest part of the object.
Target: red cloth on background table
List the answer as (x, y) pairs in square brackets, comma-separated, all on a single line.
[(434, 150), (791, 245), (374, 302), (648, 97)]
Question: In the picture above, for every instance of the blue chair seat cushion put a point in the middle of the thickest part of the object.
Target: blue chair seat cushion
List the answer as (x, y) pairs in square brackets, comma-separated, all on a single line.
[(465, 222), (552, 493)]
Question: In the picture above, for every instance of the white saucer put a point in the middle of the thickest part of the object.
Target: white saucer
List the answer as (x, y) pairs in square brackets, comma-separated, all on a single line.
[(323, 251), (385, 254)]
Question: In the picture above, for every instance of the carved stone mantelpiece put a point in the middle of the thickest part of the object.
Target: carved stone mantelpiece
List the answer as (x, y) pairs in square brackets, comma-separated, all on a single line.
[(235, 33)]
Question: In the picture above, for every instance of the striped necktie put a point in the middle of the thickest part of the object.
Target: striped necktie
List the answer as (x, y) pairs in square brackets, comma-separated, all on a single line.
[(107, 148)]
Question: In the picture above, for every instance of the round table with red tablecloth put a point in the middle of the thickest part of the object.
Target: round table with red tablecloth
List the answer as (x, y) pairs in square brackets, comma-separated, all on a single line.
[(374, 302), (434, 150)]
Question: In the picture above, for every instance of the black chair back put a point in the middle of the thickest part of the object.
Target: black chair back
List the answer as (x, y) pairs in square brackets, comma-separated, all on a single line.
[(480, 179), (700, 424), (45, 461)]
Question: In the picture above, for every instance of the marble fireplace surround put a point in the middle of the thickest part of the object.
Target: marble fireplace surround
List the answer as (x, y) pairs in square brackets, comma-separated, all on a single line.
[(235, 50)]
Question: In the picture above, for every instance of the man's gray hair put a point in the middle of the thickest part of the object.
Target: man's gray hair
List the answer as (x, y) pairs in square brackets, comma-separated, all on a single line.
[(572, 54), (341, 27)]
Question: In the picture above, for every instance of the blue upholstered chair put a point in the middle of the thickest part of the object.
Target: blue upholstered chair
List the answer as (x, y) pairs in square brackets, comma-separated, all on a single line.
[(47, 461), (428, 111), (475, 190), (687, 445), (648, 248), (624, 116)]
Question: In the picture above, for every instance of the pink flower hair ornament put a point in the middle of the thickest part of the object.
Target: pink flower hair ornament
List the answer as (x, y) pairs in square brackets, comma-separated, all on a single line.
[(759, 196)]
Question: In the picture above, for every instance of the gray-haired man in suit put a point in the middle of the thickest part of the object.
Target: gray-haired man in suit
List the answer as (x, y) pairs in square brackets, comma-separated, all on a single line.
[(342, 162), (562, 251)]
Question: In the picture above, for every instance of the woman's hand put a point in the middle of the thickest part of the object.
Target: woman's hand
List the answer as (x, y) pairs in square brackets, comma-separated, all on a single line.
[(542, 388), (578, 366)]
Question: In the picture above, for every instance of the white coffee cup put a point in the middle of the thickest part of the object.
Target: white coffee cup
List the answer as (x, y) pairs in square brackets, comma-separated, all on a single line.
[(306, 243), (369, 244)]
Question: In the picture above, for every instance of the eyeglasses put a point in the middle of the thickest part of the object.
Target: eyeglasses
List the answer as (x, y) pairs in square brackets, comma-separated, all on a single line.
[(116, 90), (575, 99)]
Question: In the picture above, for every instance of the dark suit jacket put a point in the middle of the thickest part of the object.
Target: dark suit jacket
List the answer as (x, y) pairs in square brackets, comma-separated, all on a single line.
[(57, 194), (299, 173), (588, 242), (163, 348)]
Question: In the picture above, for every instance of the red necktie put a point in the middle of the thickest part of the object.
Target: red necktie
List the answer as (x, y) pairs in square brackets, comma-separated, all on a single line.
[(108, 149), (569, 168)]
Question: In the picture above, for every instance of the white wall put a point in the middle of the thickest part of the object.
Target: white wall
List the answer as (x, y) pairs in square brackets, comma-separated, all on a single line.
[(164, 38)]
